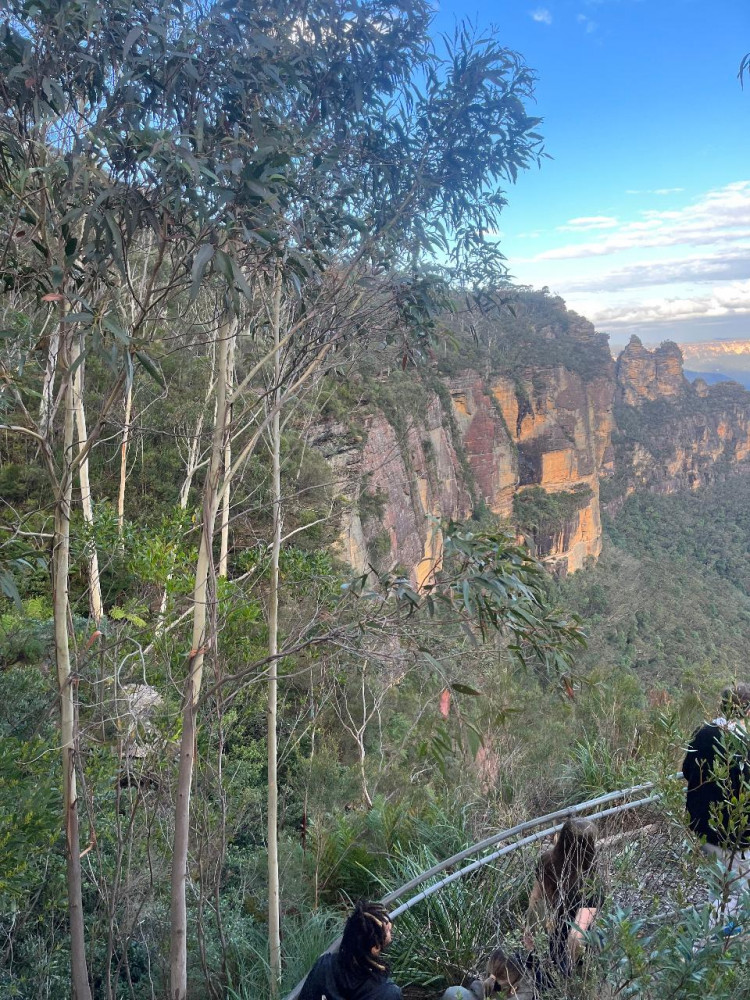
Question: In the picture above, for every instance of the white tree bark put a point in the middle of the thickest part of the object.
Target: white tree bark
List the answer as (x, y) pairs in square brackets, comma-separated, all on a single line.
[(224, 546), (67, 683), (199, 645), (274, 925), (96, 606), (48, 386), (124, 458)]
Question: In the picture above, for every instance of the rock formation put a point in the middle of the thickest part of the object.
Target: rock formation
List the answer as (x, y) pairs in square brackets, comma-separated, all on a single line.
[(672, 434), (481, 440), (563, 419), (647, 375)]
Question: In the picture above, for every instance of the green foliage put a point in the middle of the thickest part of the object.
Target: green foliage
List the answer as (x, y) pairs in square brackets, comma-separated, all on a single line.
[(669, 595), (541, 513), (596, 767), (442, 940), (498, 584), (29, 812), (23, 482), (371, 505), (304, 939), (522, 330), (708, 527), (26, 634), (684, 959)]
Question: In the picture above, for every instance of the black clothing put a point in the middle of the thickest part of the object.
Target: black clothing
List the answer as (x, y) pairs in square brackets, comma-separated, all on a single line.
[(717, 769), (330, 979), (589, 895)]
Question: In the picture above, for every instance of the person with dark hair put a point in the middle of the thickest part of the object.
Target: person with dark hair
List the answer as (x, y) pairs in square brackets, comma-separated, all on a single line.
[(717, 771), (358, 971), (566, 896)]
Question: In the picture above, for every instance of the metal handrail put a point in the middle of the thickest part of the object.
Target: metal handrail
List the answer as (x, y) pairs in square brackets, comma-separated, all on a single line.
[(539, 835), (496, 838)]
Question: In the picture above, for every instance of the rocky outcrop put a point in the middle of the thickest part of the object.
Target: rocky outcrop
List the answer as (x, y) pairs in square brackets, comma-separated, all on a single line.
[(648, 375), (405, 485), (674, 435), (561, 425), (480, 442), (541, 442)]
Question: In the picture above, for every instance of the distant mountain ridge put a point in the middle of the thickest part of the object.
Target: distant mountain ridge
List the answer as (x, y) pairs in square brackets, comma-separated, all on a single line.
[(715, 377), (715, 349), (717, 360)]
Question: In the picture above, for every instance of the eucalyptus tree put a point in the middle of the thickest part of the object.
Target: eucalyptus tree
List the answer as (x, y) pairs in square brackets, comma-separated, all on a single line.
[(93, 101), (218, 140)]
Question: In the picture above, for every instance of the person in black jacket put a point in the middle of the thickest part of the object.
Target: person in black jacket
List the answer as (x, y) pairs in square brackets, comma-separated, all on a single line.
[(717, 771), (358, 970)]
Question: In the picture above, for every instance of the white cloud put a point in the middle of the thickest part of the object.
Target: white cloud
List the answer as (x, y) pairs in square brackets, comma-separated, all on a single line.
[(542, 15), (728, 265), (588, 24), (732, 299), (719, 217), (586, 222)]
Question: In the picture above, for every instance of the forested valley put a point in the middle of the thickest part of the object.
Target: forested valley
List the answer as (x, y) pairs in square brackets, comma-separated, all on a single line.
[(241, 247)]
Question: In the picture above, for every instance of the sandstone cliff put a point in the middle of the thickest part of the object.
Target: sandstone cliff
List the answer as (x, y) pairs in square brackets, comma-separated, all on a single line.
[(481, 440), (533, 421), (673, 434), (648, 375)]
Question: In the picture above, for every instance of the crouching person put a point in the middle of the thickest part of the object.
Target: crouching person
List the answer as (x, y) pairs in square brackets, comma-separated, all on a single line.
[(358, 971), (566, 897), (505, 976)]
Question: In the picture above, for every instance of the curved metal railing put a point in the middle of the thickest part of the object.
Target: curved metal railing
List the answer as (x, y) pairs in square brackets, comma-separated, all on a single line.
[(590, 809)]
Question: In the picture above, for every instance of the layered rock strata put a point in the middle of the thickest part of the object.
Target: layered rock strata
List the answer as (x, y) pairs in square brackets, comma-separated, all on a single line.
[(673, 434), (479, 445), (566, 421), (648, 375)]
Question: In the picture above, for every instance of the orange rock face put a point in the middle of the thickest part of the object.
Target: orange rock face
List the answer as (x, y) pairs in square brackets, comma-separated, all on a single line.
[(649, 375), (549, 429), (483, 439), (418, 480), (703, 434)]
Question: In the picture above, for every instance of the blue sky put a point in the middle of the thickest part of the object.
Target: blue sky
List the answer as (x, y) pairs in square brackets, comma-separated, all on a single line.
[(641, 220)]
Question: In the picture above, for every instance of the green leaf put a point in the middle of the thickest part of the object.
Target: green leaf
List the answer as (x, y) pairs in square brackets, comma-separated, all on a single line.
[(8, 586), (130, 39), (241, 280), (116, 330), (465, 689), (123, 614), (204, 255), (151, 368)]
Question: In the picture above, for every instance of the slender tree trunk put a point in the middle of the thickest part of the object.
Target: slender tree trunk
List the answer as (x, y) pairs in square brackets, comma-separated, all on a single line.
[(200, 641), (194, 449), (191, 467), (68, 684), (274, 925), (124, 459), (96, 606), (360, 738), (224, 548), (48, 386)]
